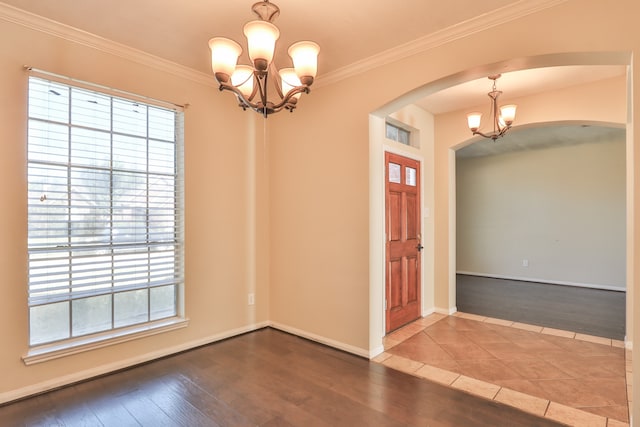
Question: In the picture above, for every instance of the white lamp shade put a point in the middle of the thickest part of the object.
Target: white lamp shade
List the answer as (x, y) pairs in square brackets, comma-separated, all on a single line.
[(289, 81), (224, 55), (242, 78), (261, 40), (473, 120), (508, 113), (305, 58)]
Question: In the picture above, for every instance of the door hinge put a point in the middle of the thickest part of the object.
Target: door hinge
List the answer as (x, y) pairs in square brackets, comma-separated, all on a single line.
[(385, 304)]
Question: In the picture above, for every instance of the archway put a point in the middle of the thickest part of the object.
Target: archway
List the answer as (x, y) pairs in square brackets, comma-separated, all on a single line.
[(447, 133)]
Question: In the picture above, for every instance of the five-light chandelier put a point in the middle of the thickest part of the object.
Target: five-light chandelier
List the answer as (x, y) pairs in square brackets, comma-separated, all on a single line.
[(250, 83), (502, 116)]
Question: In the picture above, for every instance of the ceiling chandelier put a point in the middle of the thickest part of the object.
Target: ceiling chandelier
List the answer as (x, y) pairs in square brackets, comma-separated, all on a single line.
[(502, 116), (250, 82)]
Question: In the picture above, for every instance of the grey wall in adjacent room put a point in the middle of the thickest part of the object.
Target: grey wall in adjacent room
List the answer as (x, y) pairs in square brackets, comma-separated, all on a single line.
[(562, 209)]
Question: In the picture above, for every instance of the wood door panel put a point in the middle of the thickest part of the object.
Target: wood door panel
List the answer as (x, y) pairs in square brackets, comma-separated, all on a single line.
[(412, 221), (395, 211), (403, 234), (395, 283), (413, 281)]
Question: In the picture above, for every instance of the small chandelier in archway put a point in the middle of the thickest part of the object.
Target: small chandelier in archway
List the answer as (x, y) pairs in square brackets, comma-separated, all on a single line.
[(502, 116), (250, 82)]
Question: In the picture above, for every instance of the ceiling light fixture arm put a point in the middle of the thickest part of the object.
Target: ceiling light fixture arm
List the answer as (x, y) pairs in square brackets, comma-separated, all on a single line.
[(502, 117), (262, 105)]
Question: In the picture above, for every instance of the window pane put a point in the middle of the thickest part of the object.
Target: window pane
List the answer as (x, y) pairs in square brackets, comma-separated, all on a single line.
[(48, 142), (91, 270), (48, 206), (49, 323), (129, 117), (90, 109), (130, 267), (90, 148), (131, 308), (392, 132), (49, 277), (161, 157), (411, 176), (163, 302), (90, 206), (162, 209), (129, 153), (394, 173), (91, 315), (162, 270), (129, 208), (403, 136), (162, 124), (48, 101)]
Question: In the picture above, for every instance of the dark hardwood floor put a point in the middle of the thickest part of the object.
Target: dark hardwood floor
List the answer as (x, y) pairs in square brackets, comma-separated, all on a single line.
[(587, 311), (264, 378)]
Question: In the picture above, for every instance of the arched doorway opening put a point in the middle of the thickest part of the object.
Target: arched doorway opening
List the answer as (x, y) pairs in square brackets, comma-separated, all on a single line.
[(443, 134)]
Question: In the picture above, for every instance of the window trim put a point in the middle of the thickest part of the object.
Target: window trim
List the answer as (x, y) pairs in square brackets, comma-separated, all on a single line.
[(47, 352)]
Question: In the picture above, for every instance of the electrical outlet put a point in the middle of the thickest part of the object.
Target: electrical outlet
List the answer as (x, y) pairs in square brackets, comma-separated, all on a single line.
[(252, 299), (525, 263)]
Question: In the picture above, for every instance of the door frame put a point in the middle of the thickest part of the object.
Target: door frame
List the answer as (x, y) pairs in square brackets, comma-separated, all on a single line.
[(423, 153)]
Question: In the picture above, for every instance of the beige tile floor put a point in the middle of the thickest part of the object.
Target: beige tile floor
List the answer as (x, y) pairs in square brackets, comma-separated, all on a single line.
[(572, 378)]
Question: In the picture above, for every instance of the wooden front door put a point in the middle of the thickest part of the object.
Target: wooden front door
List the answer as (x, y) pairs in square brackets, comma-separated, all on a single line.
[(403, 241)]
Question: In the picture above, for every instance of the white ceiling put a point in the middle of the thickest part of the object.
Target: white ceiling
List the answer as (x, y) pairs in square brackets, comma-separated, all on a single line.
[(348, 32)]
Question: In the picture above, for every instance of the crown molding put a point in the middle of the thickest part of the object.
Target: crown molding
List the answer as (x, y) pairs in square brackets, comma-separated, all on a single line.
[(66, 32), (500, 16), (466, 28)]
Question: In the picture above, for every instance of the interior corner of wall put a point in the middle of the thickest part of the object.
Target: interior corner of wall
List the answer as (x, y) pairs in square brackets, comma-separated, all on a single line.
[(373, 352), (446, 311)]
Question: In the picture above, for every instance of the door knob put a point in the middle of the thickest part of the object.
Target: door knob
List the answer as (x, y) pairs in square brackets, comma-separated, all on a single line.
[(419, 247)]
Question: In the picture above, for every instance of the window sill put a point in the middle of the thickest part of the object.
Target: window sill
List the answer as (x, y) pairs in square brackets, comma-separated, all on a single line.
[(44, 353)]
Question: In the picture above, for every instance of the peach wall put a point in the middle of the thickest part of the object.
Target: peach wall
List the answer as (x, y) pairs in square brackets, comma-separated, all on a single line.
[(303, 199), (225, 214), (325, 286)]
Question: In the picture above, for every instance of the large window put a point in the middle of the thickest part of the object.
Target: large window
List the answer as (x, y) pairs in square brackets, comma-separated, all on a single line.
[(105, 212)]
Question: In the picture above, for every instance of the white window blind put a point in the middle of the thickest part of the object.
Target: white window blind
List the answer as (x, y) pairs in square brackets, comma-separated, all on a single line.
[(104, 211)]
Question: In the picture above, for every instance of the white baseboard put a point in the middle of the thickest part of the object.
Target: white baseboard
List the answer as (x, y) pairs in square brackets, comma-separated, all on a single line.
[(427, 312), (446, 311), (87, 374), (121, 364), (322, 340), (550, 282), (375, 351)]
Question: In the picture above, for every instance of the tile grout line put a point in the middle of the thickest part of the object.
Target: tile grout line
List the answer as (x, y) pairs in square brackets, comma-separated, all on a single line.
[(576, 336), (534, 328), (500, 388), (476, 318)]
